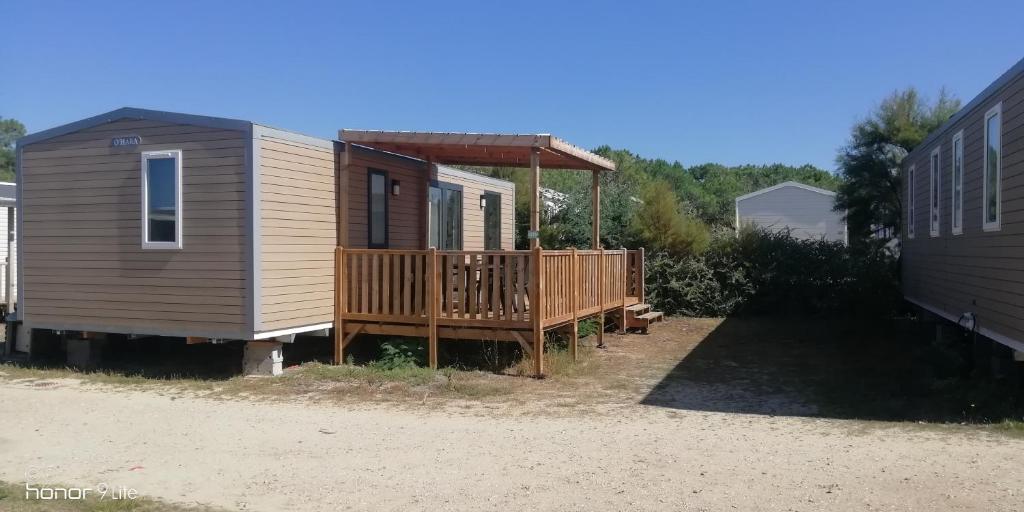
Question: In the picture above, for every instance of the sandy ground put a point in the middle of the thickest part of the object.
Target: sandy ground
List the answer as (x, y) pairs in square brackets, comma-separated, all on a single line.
[(262, 456)]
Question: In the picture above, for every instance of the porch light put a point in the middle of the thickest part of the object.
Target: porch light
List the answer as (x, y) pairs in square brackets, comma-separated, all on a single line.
[(395, 186), (483, 201)]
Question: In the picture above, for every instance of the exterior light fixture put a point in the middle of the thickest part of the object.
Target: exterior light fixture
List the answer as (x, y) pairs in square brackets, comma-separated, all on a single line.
[(483, 201), (395, 187)]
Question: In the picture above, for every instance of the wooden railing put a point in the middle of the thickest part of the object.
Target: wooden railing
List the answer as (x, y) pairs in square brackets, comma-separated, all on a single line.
[(484, 289)]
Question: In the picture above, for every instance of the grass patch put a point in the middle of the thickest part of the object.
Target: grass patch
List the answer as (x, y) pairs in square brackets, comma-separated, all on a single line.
[(1012, 427), (13, 499)]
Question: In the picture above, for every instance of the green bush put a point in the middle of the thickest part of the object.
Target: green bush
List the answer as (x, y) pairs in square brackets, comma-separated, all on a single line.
[(401, 353), (773, 273)]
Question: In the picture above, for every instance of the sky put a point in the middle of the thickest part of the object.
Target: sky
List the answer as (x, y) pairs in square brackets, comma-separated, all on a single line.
[(733, 82)]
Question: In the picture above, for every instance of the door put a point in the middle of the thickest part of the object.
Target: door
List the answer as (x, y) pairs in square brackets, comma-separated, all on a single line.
[(445, 216), (492, 221)]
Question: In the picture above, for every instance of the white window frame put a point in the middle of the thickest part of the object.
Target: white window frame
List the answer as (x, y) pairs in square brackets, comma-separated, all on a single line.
[(956, 219), (935, 192), (910, 201), (146, 157), (997, 110)]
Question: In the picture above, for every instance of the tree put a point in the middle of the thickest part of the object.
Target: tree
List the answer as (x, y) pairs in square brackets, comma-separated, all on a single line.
[(871, 162), (660, 224), (10, 131)]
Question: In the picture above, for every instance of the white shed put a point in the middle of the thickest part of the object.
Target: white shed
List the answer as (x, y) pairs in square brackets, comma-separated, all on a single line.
[(8, 250), (804, 210)]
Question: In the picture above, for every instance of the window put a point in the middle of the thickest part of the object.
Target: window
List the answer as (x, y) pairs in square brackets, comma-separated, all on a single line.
[(161, 199), (910, 202), (445, 216), (934, 191), (492, 221), (991, 193), (377, 189), (957, 202)]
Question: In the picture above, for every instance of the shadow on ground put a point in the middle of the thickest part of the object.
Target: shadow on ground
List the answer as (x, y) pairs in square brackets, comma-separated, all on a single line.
[(892, 371)]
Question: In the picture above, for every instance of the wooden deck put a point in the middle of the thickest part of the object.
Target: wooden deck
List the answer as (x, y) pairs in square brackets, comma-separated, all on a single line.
[(481, 295)]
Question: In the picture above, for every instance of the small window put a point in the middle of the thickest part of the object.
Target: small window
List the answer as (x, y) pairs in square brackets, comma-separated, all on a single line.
[(910, 202), (377, 189), (161, 200), (957, 221), (934, 191), (991, 193)]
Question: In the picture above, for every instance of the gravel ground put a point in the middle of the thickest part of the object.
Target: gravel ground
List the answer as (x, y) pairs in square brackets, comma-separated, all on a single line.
[(249, 455)]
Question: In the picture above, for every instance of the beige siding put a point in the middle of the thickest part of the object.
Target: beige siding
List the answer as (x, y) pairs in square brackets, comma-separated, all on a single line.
[(298, 234), (978, 271), (84, 267), (473, 216)]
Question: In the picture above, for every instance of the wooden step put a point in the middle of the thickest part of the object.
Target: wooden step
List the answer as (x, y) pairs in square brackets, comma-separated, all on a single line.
[(645, 320), (638, 308)]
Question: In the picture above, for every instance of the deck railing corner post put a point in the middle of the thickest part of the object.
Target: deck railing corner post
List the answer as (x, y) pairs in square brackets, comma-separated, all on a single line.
[(339, 304), (537, 309), (433, 299)]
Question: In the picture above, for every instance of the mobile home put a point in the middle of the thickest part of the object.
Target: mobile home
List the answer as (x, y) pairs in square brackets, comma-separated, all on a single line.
[(157, 223), (963, 216)]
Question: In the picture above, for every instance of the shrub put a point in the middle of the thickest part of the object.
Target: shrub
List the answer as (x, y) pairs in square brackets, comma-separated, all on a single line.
[(401, 353), (774, 273)]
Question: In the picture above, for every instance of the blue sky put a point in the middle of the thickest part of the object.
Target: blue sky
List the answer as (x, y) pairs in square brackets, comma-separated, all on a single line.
[(731, 82)]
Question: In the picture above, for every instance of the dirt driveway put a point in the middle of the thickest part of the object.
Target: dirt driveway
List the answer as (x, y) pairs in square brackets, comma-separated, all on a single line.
[(648, 453)]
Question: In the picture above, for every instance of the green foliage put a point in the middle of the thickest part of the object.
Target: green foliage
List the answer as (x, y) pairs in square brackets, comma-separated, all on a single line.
[(772, 273), (10, 131), (401, 353), (704, 196), (659, 223), (871, 161)]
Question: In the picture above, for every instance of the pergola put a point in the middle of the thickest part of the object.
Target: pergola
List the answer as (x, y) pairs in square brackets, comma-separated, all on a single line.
[(496, 150)]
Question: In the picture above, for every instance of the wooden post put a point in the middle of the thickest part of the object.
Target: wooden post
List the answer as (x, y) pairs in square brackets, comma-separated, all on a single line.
[(535, 196), (600, 298), (641, 275), (537, 310), (339, 305), (574, 302), (434, 296), (624, 283), (595, 198)]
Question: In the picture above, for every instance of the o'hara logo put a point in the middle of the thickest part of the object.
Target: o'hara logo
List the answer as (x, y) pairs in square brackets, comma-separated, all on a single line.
[(130, 140)]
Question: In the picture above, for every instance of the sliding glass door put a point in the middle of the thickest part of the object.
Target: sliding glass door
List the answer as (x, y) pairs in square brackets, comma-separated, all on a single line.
[(445, 216)]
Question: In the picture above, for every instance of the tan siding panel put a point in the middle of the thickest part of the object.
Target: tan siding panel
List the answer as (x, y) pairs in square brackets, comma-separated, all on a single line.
[(298, 228), (83, 261)]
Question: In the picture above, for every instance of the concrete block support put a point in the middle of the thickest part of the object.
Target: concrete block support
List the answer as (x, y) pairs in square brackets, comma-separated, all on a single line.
[(263, 358), (86, 354)]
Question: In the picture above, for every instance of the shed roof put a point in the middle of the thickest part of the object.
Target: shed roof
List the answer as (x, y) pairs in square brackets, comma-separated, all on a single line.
[(491, 149), (783, 185)]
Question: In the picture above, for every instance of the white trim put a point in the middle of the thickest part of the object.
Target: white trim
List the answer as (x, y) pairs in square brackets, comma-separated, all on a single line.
[(956, 217), (984, 331), (911, 201), (935, 192), (786, 184), (293, 330), (146, 156), (996, 111)]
